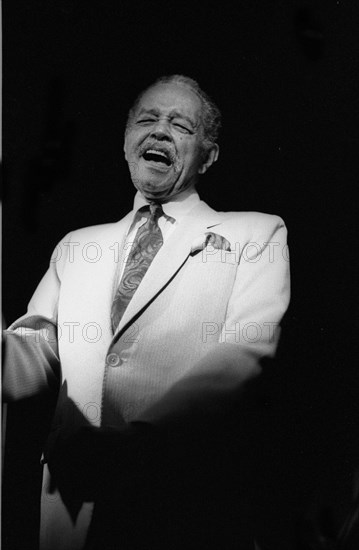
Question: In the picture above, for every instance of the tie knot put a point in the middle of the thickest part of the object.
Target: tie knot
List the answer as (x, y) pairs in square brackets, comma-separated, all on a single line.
[(155, 210)]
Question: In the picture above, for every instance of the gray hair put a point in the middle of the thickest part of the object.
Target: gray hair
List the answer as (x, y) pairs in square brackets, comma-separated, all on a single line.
[(210, 115)]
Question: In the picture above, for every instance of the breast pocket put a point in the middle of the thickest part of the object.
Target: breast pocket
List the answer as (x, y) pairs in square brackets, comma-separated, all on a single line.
[(217, 256)]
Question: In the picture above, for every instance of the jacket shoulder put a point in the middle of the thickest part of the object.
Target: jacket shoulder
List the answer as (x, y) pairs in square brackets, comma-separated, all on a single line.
[(98, 231), (251, 226), (252, 219)]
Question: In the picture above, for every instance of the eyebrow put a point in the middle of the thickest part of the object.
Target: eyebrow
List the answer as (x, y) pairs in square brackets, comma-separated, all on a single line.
[(172, 114)]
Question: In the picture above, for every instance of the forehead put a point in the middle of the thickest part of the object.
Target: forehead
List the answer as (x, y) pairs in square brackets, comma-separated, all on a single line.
[(171, 97)]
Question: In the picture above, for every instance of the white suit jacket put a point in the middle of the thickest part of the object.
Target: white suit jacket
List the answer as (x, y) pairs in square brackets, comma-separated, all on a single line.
[(198, 323)]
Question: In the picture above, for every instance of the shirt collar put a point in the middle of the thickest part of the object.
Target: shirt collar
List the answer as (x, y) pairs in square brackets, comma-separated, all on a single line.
[(177, 208)]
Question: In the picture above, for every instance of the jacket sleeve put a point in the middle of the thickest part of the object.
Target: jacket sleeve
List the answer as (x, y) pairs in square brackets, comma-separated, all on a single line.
[(31, 363), (250, 331)]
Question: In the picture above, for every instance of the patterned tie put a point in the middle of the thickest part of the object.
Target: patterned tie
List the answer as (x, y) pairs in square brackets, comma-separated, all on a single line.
[(147, 243)]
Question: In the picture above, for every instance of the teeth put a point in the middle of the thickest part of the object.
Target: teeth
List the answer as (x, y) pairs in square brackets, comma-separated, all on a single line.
[(155, 152)]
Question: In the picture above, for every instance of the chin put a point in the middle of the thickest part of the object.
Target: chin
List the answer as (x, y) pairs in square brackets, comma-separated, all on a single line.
[(155, 189)]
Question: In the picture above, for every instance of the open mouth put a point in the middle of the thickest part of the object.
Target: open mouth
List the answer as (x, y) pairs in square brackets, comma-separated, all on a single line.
[(160, 157)]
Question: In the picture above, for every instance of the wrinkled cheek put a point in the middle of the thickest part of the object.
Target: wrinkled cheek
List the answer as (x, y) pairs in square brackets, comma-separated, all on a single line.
[(177, 167)]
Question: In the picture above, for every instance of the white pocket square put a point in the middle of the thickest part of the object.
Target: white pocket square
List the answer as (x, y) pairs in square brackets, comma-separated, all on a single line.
[(212, 239)]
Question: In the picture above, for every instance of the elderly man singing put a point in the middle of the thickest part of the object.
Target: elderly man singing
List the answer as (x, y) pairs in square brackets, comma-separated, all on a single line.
[(151, 329)]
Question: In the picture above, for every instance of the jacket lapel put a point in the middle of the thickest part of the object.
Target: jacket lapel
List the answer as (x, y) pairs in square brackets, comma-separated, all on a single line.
[(101, 275), (170, 258)]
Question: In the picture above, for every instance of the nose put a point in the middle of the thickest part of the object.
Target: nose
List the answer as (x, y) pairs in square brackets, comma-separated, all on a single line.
[(161, 130)]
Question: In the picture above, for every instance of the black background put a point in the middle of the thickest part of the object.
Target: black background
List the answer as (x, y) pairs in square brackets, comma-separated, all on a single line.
[(285, 75)]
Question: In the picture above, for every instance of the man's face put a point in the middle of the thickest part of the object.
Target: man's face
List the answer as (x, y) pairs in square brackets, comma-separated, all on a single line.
[(163, 142)]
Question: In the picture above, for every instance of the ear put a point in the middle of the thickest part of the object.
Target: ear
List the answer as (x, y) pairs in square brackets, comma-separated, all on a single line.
[(124, 145), (211, 155)]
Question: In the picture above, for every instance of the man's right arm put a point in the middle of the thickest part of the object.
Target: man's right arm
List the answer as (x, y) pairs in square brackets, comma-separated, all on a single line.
[(31, 363), (30, 354)]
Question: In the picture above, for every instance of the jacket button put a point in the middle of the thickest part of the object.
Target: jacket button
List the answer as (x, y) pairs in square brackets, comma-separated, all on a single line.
[(113, 360)]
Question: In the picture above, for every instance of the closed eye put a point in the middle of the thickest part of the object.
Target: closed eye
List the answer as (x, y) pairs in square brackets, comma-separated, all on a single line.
[(145, 120), (183, 128)]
